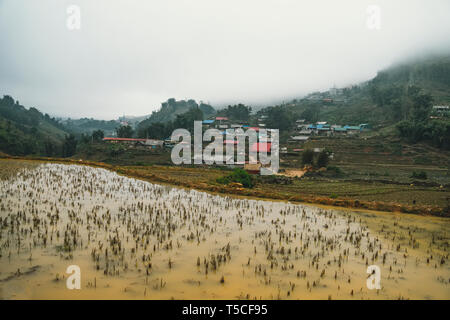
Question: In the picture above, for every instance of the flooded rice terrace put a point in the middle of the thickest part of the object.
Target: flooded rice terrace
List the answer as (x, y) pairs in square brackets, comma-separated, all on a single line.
[(136, 240)]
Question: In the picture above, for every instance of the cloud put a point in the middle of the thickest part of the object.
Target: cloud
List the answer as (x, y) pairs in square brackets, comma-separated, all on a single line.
[(130, 55)]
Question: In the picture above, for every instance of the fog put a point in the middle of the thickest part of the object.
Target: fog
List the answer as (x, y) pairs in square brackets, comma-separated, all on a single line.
[(129, 56)]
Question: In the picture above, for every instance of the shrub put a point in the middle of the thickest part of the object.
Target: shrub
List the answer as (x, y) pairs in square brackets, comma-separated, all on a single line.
[(323, 159), (419, 175), (238, 175), (273, 179), (307, 156), (335, 171)]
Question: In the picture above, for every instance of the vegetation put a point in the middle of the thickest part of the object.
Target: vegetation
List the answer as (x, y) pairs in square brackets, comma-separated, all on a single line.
[(171, 109), (70, 146), (87, 126), (279, 118), (124, 132), (419, 175), (322, 159), (307, 157), (237, 176), (28, 131), (237, 112), (163, 130)]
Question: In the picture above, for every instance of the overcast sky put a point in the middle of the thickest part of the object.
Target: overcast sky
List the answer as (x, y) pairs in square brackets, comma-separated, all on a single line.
[(131, 55)]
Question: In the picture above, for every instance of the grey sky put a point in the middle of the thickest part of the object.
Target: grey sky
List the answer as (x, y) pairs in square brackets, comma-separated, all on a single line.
[(131, 55)]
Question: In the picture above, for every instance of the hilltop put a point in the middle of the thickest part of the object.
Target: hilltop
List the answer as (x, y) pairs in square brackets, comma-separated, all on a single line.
[(171, 108), (28, 131)]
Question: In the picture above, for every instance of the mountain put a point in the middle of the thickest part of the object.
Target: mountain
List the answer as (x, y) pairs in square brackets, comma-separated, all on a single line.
[(28, 131)]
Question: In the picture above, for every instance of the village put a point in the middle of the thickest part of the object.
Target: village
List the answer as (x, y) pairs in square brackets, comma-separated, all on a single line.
[(295, 144)]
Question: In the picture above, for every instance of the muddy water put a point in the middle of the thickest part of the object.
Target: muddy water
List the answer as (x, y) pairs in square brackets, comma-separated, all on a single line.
[(137, 240)]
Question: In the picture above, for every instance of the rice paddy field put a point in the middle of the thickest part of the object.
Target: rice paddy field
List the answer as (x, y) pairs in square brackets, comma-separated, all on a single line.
[(133, 239)]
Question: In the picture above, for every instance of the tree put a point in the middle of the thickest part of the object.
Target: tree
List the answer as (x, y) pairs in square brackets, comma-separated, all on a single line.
[(237, 112), (186, 120), (307, 157), (98, 135), (49, 148), (323, 159), (69, 146), (124, 131), (157, 130), (85, 138), (421, 107), (279, 118), (311, 114)]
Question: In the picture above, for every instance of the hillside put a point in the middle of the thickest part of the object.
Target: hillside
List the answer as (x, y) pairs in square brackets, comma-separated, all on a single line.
[(170, 109), (28, 131), (380, 100)]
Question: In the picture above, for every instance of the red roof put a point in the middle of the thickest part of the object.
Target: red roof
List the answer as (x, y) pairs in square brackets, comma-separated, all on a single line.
[(261, 147), (123, 139), (221, 118)]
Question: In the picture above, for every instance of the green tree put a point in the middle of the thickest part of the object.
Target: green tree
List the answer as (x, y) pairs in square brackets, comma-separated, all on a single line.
[(124, 131), (279, 118), (186, 120), (237, 112), (98, 135), (69, 146), (238, 175), (49, 148), (323, 159), (421, 110), (307, 157)]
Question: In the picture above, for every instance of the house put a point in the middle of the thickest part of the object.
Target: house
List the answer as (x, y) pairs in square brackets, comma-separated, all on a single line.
[(441, 109), (364, 126), (339, 131), (124, 140), (208, 123), (352, 129), (305, 132), (221, 122), (154, 143), (300, 138), (323, 131)]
